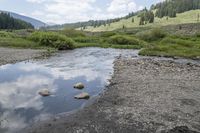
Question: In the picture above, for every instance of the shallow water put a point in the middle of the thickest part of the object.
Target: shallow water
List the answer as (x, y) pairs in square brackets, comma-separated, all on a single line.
[(20, 104)]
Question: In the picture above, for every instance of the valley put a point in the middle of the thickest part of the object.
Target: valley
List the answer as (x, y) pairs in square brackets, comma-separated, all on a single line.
[(134, 73)]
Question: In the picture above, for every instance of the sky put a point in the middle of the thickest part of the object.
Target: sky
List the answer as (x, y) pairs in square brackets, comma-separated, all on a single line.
[(69, 11)]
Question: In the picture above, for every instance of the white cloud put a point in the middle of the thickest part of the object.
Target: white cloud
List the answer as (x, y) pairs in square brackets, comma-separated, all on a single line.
[(122, 6), (36, 1), (66, 11)]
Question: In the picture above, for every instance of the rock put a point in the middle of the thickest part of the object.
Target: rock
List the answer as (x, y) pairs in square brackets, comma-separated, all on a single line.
[(44, 92), (79, 86), (83, 95), (180, 129)]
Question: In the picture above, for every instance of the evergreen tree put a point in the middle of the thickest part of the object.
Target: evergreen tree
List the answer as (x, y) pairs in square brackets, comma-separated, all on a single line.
[(8, 22), (133, 20), (142, 19), (151, 17), (172, 7)]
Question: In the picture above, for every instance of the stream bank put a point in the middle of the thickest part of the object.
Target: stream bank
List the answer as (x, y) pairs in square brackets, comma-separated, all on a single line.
[(144, 96)]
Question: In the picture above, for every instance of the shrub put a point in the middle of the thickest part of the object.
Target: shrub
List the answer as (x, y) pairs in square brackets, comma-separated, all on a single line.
[(86, 39), (124, 40), (7, 34), (152, 35), (52, 39), (18, 43), (198, 34), (108, 34), (72, 33)]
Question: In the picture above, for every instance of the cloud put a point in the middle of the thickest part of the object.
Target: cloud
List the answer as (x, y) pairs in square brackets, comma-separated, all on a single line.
[(117, 6), (36, 1), (66, 11)]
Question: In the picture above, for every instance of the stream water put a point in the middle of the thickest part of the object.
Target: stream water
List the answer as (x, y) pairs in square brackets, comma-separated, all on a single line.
[(20, 103)]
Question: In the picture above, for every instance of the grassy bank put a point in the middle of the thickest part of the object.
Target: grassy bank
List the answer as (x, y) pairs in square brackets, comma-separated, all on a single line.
[(174, 46), (153, 42), (10, 39)]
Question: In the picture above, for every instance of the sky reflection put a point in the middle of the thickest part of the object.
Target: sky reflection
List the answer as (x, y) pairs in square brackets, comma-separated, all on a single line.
[(20, 103)]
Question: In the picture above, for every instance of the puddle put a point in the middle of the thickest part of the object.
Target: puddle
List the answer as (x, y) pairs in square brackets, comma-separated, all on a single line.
[(20, 104)]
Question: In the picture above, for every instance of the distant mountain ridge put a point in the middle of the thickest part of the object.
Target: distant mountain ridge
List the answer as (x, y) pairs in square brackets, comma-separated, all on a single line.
[(36, 23)]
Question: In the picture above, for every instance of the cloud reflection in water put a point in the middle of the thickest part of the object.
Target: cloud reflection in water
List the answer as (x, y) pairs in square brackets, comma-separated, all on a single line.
[(20, 103)]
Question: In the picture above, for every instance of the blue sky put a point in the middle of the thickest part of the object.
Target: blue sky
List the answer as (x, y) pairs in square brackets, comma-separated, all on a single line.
[(67, 11)]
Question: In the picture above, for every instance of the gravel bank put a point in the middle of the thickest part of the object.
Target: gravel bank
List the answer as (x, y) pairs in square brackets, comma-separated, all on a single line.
[(9, 55), (145, 96)]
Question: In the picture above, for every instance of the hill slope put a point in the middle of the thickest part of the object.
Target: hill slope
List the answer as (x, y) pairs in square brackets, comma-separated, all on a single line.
[(182, 18), (8, 22), (36, 23)]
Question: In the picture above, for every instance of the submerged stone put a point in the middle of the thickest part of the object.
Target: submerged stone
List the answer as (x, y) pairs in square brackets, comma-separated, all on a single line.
[(44, 92), (79, 86), (83, 95)]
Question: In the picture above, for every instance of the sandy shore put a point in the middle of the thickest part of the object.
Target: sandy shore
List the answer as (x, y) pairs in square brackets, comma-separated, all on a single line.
[(145, 96), (9, 55)]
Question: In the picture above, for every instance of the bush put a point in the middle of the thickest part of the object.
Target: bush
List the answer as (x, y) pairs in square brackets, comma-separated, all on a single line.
[(52, 39), (197, 34), (86, 39), (17, 43), (108, 34), (152, 35), (124, 40), (72, 33), (7, 34)]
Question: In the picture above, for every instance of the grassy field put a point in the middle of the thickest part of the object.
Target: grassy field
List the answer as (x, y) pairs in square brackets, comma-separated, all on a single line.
[(182, 18)]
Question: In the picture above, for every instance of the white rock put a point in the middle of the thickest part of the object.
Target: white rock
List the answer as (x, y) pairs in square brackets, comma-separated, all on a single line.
[(83, 95), (44, 92), (79, 86)]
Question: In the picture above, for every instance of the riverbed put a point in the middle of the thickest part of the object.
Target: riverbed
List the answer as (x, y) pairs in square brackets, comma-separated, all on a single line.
[(20, 103), (145, 95)]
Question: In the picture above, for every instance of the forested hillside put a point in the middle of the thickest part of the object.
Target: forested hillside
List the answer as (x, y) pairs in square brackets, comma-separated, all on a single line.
[(8, 22), (93, 23), (168, 8), (171, 7)]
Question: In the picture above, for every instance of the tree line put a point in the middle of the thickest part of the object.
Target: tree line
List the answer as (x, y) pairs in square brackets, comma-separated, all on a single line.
[(171, 7), (8, 22), (93, 23)]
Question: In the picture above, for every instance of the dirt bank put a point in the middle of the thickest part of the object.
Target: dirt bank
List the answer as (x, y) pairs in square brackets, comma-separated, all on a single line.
[(145, 96), (8, 55)]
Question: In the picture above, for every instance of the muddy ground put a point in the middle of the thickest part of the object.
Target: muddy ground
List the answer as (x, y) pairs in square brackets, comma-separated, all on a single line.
[(8, 55), (144, 96)]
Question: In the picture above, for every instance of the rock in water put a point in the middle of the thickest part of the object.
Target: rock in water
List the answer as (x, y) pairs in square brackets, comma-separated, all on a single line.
[(44, 92), (83, 95), (79, 86)]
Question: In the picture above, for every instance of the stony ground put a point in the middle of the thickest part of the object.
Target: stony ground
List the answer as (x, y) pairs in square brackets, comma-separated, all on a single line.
[(8, 55), (145, 96)]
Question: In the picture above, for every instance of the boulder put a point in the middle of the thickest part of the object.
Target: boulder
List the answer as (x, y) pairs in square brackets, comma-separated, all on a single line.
[(83, 95), (44, 92), (79, 86)]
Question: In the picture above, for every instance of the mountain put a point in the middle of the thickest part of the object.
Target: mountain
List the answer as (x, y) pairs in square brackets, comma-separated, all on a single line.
[(36, 23), (8, 22)]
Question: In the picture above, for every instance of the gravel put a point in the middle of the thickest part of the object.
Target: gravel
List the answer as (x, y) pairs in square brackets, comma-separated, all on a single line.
[(9, 55), (144, 96)]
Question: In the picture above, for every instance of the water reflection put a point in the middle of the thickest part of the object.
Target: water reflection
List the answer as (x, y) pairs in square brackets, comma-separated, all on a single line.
[(20, 103)]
